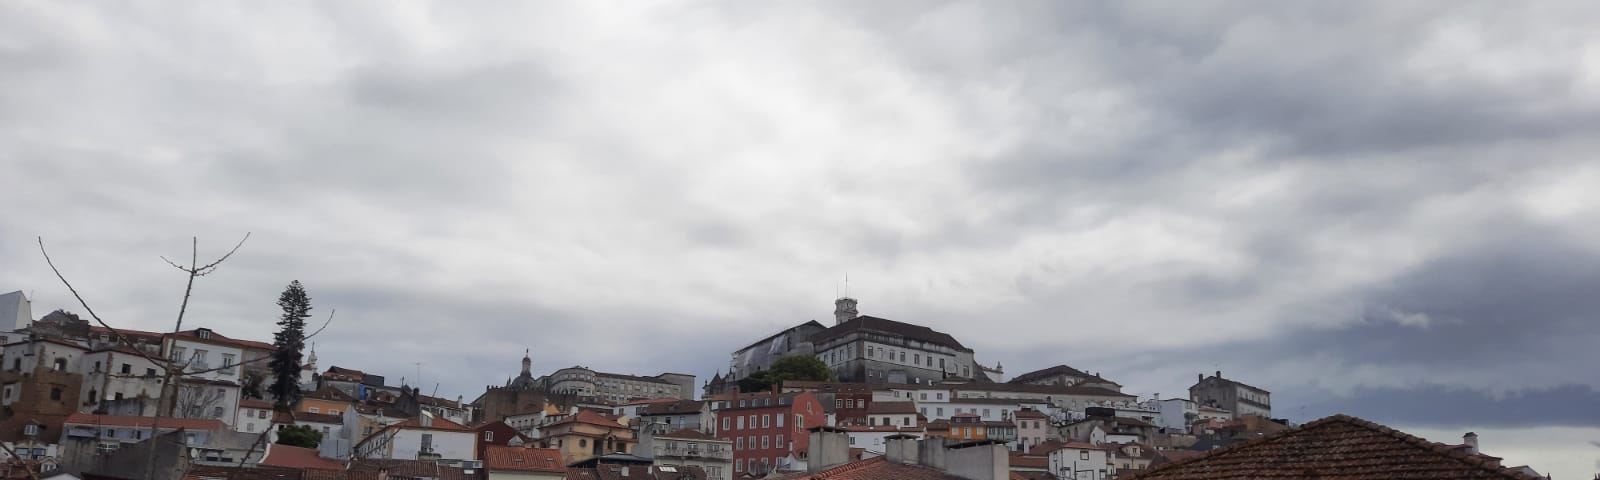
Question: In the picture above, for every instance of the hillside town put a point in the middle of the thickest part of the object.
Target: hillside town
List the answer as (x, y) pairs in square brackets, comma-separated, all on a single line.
[(900, 400)]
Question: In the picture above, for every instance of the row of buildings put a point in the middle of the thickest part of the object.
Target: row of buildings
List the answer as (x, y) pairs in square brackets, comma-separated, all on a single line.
[(906, 401)]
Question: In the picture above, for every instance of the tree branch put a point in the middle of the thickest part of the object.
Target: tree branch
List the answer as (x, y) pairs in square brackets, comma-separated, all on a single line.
[(117, 334)]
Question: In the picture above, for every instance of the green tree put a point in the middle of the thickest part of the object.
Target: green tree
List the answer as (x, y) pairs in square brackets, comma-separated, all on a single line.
[(250, 385), (289, 341), (793, 367), (299, 436)]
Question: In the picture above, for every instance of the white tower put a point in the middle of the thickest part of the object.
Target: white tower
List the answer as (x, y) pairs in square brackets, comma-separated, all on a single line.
[(15, 310), (844, 309)]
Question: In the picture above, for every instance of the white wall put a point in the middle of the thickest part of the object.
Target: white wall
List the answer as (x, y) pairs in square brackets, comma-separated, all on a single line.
[(213, 356), (1066, 463), (109, 380), (448, 444)]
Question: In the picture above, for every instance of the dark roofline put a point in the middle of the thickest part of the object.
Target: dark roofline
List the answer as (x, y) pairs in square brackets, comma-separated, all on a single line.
[(914, 331), (1440, 449), (781, 332)]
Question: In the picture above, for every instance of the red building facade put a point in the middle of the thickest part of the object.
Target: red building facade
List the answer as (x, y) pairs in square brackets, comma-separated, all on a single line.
[(766, 428)]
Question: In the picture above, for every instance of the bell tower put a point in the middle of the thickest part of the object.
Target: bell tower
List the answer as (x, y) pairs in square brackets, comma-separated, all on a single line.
[(844, 310)]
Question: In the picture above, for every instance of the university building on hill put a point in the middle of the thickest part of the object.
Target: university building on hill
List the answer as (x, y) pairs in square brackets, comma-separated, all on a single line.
[(863, 349)]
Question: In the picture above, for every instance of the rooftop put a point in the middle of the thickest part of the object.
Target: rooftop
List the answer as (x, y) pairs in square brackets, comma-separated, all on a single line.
[(870, 323), (520, 459), (205, 424), (1338, 446), (279, 455)]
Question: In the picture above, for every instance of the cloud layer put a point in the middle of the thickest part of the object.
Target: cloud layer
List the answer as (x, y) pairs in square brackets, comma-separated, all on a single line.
[(1355, 205)]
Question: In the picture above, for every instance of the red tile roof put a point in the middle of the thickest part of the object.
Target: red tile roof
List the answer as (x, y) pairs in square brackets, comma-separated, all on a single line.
[(875, 468), (256, 404), (1019, 460), (207, 424), (1340, 446), (592, 418), (279, 455), (519, 459)]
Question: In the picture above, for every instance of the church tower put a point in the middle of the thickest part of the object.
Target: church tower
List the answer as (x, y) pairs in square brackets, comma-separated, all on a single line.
[(844, 309), (527, 364)]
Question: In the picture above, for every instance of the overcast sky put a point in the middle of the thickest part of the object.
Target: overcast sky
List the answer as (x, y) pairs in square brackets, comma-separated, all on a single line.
[(1384, 209)]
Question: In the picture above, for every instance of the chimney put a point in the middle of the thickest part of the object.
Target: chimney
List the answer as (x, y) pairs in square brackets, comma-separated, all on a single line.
[(1219, 374), (901, 448), (980, 460), (1199, 377), (830, 447), (1471, 440)]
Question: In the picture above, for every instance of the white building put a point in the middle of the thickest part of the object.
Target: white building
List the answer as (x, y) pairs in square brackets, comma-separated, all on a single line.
[(16, 311), (117, 373), (421, 438), (1081, 461), (1177, 413)]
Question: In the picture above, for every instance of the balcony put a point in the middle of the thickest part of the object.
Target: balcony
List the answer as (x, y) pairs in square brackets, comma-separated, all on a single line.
[(679, 452)]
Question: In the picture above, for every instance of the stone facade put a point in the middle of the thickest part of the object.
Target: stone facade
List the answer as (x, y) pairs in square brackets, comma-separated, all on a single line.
[(1231, 395)]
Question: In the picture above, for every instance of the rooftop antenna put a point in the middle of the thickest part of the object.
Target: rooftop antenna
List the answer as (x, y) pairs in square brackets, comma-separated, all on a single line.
[(847, 284)]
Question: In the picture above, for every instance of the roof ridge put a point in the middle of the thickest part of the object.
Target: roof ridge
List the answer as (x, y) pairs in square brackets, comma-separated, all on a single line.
[(1473, 459)]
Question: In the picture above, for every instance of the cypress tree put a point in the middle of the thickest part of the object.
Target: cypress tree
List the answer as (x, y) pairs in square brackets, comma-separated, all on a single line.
[(290, 341)]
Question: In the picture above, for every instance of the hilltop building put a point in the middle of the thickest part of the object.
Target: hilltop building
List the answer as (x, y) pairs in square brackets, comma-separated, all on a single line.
[(1231, 395), (16, 310), (864, 349)]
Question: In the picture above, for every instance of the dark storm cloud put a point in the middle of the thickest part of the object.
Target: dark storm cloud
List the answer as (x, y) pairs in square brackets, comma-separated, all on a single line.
[(1352, 205)]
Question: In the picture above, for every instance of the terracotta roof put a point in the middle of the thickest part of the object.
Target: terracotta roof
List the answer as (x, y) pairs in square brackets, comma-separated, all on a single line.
[(891, 327), (875, 468), (254, 403), (1019, 460), (592, 418), (1177, 455), (636, 472), (54, 340), (279, 455), (1045, 447), (675, 407), (1338, 446), (329, 393), (207, 424), (519, 459), (1030, 413), (219, 339), (892, 408)]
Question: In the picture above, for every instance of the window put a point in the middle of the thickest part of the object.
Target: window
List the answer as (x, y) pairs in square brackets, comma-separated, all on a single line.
[(985, 412), (924, 396), (871, 351), (917, 359), (738, 465), (778, 443), (488, 436), (61, 365), (741, 423), (96, 366), (427, 442), (902, 356), (837, 403), (941, 364), (177, 353), (939, 412), (905, 421), (149, 372), (55, 393), (725, 423), (316, 410), (923, 411), (227, 364), (738, 443), (852, 440), (752, 420), (31, 429), (766, 441), (1083, 454), (261, 414), (216, 412), (105, 448)]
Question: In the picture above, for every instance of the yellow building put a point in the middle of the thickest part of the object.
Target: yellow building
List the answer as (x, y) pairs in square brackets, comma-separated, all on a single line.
[(587, 434)]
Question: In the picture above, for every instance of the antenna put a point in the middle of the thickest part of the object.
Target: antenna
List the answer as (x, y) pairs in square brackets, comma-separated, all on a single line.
[(847, 284)]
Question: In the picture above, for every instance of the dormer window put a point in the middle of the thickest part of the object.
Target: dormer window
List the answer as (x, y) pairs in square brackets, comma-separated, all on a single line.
[(203, 333)]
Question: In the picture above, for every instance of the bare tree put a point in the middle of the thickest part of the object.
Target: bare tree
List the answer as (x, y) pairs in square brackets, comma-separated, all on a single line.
[(167, 404)]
